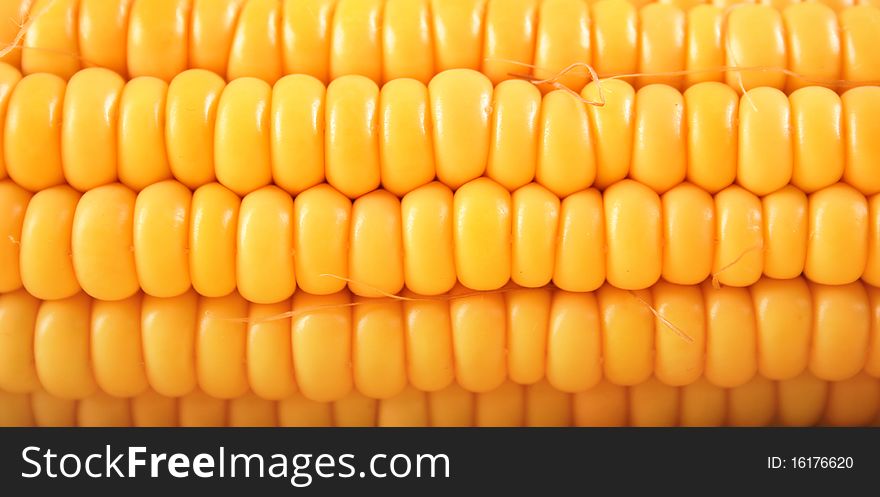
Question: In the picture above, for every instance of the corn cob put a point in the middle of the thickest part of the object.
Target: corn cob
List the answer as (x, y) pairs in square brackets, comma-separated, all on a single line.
[(389, 39), (327, 346), (96, 129), (801, 401), (667, 376), (166, 239), (836, 5)]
